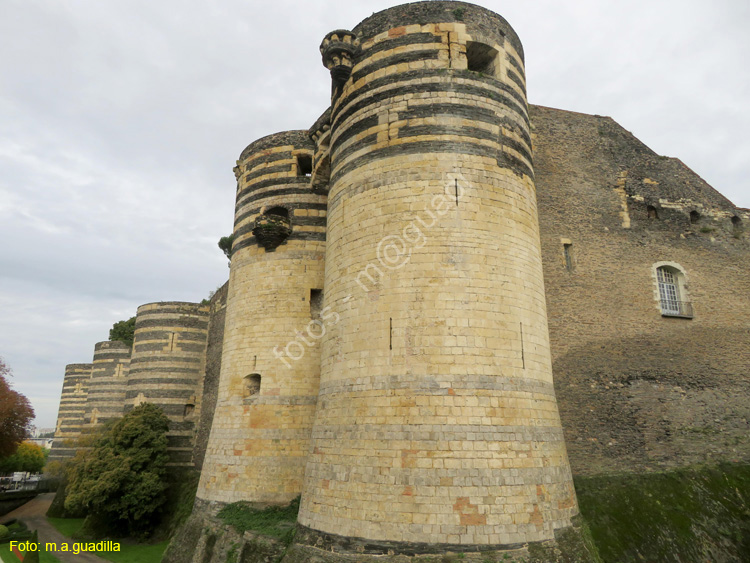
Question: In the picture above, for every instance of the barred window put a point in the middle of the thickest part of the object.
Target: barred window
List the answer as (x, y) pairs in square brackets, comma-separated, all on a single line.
[(672, 293)]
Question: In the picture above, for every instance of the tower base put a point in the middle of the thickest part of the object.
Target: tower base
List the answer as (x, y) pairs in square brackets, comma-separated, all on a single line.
[(205, 539), (571, 544)]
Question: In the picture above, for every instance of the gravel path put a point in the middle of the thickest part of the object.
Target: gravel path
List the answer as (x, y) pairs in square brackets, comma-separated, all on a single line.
[(32, 513)]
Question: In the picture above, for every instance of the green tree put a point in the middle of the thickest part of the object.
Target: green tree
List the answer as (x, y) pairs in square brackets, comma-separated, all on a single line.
[(15, 414), (124, 331), (121, 482), (28, 457), (225, 243)]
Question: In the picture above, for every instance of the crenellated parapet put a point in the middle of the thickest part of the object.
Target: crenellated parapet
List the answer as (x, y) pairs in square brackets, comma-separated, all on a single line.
[(339, 50)]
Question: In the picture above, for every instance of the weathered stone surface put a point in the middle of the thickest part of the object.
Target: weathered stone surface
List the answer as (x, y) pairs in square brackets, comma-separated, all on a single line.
[(469, 246)]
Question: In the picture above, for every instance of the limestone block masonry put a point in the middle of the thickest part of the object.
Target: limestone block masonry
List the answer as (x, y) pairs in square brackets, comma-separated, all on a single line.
[(271, 358), (167, 366), (109, 372), (382, 347), (71, 413), (436, 421)]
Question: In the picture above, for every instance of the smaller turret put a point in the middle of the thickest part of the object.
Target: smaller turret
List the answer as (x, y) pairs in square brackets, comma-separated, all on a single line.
[(72, 408), (339, 49)]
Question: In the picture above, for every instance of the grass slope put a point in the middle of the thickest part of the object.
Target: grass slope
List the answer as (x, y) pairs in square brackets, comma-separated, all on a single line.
[(693, 514), (129, 552)]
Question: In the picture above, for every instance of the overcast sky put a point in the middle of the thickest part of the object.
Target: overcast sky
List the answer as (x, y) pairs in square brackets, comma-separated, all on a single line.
[(120, 122)]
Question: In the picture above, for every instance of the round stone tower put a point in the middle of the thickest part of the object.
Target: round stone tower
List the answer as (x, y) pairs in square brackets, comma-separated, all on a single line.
[(71, 413), (109, 376), (166, 368), (437, 423), (274, 322)]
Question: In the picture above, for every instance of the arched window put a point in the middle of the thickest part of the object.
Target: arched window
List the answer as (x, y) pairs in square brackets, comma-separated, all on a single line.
[(278, 212), (672, 291)]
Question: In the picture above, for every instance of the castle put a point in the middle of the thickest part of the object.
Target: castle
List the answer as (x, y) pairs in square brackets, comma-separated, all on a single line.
[(406, 277)]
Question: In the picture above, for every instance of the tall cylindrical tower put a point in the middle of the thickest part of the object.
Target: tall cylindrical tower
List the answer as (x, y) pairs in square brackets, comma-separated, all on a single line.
[(271, 356), (166, 368), (437, 421), (109, 372), (71, 412)]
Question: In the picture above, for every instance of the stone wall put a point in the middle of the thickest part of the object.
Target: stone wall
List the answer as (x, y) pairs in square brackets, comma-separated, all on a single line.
[(217, 317), (638, 390), (270, 363), (436, 423), (109, 376), (70, 416), (167, 368)]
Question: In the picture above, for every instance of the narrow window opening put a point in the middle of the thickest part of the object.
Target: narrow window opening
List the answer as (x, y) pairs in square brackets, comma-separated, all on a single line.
[(278, 212), (189, 409), (252, 384), (304, 165), (480, 58), (736, 222), (568, 253), (316, 303), (652, 212), (695, 216)]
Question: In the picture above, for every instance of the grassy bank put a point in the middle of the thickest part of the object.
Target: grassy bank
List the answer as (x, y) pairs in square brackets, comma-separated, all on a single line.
[(129, 552), (8, 557), (693, 514)]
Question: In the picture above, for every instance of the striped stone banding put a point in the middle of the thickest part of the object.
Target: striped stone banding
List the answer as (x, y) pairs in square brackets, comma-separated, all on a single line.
[(177, 323), (246, 193), (171, 369), (439, 385), (422, 147), (183, 347), (250, 241), (465, 132), (412, 83), (284, 400), (393, 60), (295, 138), (514, 62), (394, 42), (253, 211), (517, 79), (258, 172), (163, 335), (273, 194), (355, 129), (423, 13), (296, 222), (166, 367)]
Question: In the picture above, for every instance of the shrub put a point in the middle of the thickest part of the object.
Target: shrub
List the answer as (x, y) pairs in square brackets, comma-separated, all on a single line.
[(121, 482)]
